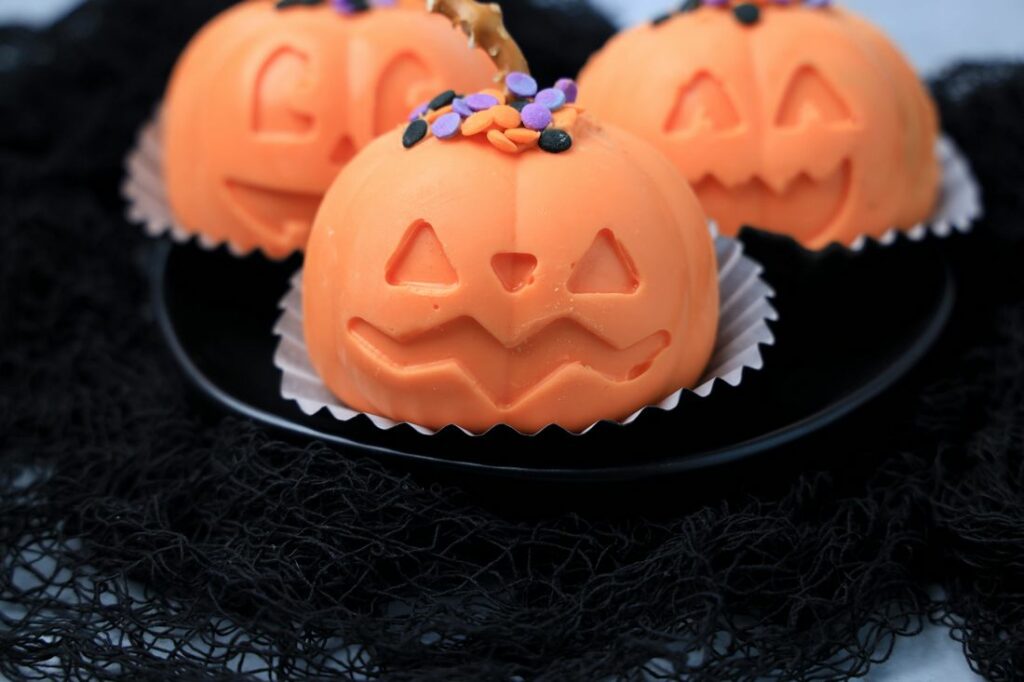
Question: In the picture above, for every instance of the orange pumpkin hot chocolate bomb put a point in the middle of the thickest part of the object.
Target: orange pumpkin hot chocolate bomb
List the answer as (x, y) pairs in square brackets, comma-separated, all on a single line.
[(271, 99), (508, 259), (795, 117)]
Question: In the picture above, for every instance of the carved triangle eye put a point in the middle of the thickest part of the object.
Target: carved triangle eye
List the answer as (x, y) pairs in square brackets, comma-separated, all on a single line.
[(809, 96), (606, 268), (273, 100), (702, 103), (420, 260)]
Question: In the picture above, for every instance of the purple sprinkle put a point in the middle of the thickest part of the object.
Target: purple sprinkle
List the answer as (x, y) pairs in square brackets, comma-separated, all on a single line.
[(480, 101), (346, 6), (536, 116), (569, 87), (460, 107), (818, 3), (552, 98), (419, 111), (716, 3), (446, 126), (357, 6), (521, 84)]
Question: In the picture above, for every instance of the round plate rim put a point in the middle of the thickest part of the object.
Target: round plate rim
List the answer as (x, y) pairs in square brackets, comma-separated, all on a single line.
[(825, 417)]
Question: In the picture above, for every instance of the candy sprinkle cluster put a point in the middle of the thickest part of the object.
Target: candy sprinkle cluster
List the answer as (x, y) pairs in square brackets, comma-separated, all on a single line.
[(343, 6), (515, 120), (747, 13)]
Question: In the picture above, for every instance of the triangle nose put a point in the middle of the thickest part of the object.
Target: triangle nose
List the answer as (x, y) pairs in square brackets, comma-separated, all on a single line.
[(515, 270)]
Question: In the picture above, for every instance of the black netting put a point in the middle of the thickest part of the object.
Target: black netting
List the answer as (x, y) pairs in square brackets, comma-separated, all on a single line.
[(141, 535)]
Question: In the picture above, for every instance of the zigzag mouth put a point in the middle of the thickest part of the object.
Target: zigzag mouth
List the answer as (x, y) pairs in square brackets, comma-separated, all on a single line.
[(505, 373), (273, 213), (822, 200)]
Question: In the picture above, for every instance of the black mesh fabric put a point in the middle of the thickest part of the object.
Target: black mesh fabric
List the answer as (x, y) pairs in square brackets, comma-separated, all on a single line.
[(141, 535)]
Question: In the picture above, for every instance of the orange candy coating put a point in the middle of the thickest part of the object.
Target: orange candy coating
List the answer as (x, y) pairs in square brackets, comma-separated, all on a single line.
[(808, 123), (451, 283), (266, 106)]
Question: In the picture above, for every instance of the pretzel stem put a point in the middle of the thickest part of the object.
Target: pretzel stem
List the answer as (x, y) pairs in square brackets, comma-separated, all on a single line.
[(485, 27)]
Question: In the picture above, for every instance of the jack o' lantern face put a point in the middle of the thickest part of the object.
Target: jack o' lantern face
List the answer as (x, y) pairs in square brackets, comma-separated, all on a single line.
[(521, 292), (296, 119), (508, 367), (805, 114), (267, 106), (807, 123)]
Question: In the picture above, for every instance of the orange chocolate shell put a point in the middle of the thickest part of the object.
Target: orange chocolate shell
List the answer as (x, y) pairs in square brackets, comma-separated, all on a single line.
[(463, 281), (267, 104), (805, 121)]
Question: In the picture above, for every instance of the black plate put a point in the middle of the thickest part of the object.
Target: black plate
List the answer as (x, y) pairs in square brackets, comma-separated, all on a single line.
[(851, 326)]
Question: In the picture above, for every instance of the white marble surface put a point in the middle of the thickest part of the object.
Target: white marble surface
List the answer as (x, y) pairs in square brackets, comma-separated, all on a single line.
[(933, 33)]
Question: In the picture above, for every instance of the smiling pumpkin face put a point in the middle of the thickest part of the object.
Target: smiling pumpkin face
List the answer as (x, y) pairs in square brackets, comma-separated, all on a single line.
[(455, 283), (806, 122), (267, 105)]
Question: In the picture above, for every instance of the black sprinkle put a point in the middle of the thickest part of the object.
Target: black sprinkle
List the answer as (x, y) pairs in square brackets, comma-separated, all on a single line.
[(360, 5), (442, 100), (416, 131), (519, 104), (285, 4), (660, 19), (555, 141), (747, 14), (690, 5)]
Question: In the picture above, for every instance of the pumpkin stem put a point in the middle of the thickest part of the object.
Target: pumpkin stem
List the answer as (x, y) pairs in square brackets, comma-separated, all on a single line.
[(485, 27)]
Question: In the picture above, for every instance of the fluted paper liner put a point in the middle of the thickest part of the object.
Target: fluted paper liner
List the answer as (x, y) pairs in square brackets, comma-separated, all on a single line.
[(958, 208), (742, 329)]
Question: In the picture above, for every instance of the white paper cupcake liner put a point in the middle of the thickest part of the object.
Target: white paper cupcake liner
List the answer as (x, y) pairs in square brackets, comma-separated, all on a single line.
[(959, 207), (743, 328)]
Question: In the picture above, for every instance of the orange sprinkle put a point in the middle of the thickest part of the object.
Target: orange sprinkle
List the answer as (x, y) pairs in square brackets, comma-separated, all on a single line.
[(478, 122), (499, 140), (506, 117), (522, 135), (438, 113), (565, 118), (497, 94)]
